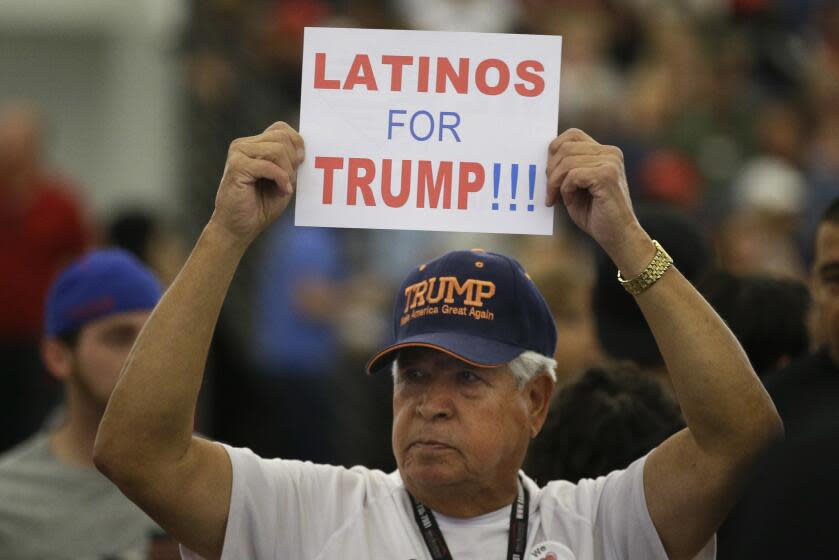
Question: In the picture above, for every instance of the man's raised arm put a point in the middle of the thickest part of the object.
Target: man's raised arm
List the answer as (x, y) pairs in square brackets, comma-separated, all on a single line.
[(692, 479), (145, 442)]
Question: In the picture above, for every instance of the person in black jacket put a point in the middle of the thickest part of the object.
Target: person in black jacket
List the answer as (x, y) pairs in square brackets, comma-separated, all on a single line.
[(790, 511)]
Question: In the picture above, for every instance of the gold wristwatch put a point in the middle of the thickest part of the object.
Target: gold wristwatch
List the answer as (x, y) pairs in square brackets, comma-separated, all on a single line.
[(655, 270)]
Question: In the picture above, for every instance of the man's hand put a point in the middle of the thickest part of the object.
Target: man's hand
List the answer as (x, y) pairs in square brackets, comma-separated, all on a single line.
[(258, 181), (591, 180)]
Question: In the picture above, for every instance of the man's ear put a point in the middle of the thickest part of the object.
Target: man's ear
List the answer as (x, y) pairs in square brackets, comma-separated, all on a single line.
[(538, 392), (57, 358)]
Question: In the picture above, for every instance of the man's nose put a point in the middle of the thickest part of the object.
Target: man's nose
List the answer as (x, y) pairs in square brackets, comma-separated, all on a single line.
[(436, 402)]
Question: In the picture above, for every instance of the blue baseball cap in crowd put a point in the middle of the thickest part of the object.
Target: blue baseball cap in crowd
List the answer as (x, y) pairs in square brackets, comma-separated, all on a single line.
[(477, 306), (97, 285)]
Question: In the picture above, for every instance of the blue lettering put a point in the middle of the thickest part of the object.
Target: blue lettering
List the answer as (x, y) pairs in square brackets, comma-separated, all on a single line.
[(391, 123), (430, 125), (450, 126)]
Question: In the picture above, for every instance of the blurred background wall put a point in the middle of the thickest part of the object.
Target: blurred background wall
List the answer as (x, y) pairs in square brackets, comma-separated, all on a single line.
[(106, 76)]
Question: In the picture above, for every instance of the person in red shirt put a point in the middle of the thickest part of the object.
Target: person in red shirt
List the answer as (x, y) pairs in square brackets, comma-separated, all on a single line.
[(42, 228)]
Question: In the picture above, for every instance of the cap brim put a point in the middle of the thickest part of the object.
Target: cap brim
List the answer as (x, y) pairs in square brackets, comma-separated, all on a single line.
[(474, 350)]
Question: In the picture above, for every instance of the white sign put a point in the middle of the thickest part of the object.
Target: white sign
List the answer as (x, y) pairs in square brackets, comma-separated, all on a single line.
[(427, 130)]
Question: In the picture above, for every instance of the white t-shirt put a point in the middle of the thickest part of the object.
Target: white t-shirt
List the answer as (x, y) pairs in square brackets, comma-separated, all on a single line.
[(283, 509)]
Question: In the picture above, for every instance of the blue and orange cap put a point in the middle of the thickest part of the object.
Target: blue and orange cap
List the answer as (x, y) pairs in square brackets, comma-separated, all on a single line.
[(477, 306), (99, 284)]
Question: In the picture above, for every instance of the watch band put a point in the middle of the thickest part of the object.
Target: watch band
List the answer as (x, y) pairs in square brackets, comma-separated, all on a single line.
[(655, 270)]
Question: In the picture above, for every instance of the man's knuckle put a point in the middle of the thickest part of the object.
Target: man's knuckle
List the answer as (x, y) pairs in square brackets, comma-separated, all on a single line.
[(284, 128), (568, 165), (284, 137), (564, 150), (236, 158), (608, 173)]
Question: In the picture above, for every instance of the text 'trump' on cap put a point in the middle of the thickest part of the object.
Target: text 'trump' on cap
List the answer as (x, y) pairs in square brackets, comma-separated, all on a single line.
[(477, 306)]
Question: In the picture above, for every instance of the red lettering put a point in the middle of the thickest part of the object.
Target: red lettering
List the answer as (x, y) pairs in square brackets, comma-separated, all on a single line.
[(465, 185), (445, 71), (422, 75), (526, 70), (329, 165), (529, 75), (405, 188), (434, 183), (396, 63), (357, 181), (434, 187), (361, 73), (503, 76), (320, 70)]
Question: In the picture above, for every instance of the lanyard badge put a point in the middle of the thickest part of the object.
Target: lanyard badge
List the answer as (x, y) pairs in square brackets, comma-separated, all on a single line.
[(436, 543)]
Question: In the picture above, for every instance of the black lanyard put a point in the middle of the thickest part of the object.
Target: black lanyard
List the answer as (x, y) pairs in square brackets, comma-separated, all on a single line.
[(436, 543)]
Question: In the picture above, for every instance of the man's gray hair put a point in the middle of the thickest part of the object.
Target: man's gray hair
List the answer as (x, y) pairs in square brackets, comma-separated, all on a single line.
[(524, 367), (529, 364)]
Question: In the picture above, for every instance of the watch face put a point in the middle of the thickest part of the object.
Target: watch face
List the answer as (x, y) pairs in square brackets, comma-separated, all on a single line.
[(550, 550)]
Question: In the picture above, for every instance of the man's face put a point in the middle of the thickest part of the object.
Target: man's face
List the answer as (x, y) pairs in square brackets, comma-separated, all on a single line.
[(19, 139), (825, 286), (101, 350), (454, 423)]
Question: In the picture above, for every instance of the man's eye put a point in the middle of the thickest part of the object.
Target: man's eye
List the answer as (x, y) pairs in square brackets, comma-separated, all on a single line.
[(467, 376), (120, 337), (412, 375)]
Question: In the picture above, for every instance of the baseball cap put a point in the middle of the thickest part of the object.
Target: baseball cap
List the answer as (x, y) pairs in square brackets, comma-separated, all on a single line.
[(99, 284), (477, 306)]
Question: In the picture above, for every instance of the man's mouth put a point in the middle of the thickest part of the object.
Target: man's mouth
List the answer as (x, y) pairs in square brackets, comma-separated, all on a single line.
[(430, 444)]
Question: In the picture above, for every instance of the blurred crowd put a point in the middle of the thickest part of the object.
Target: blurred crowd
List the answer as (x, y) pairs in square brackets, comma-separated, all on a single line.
[(727, 112)]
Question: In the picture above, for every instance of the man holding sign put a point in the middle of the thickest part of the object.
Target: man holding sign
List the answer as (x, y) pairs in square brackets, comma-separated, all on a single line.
[(471, 388), (471, 363)]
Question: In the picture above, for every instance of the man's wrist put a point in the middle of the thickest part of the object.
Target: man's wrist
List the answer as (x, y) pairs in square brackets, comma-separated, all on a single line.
[(634, 253), (217, 234)]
